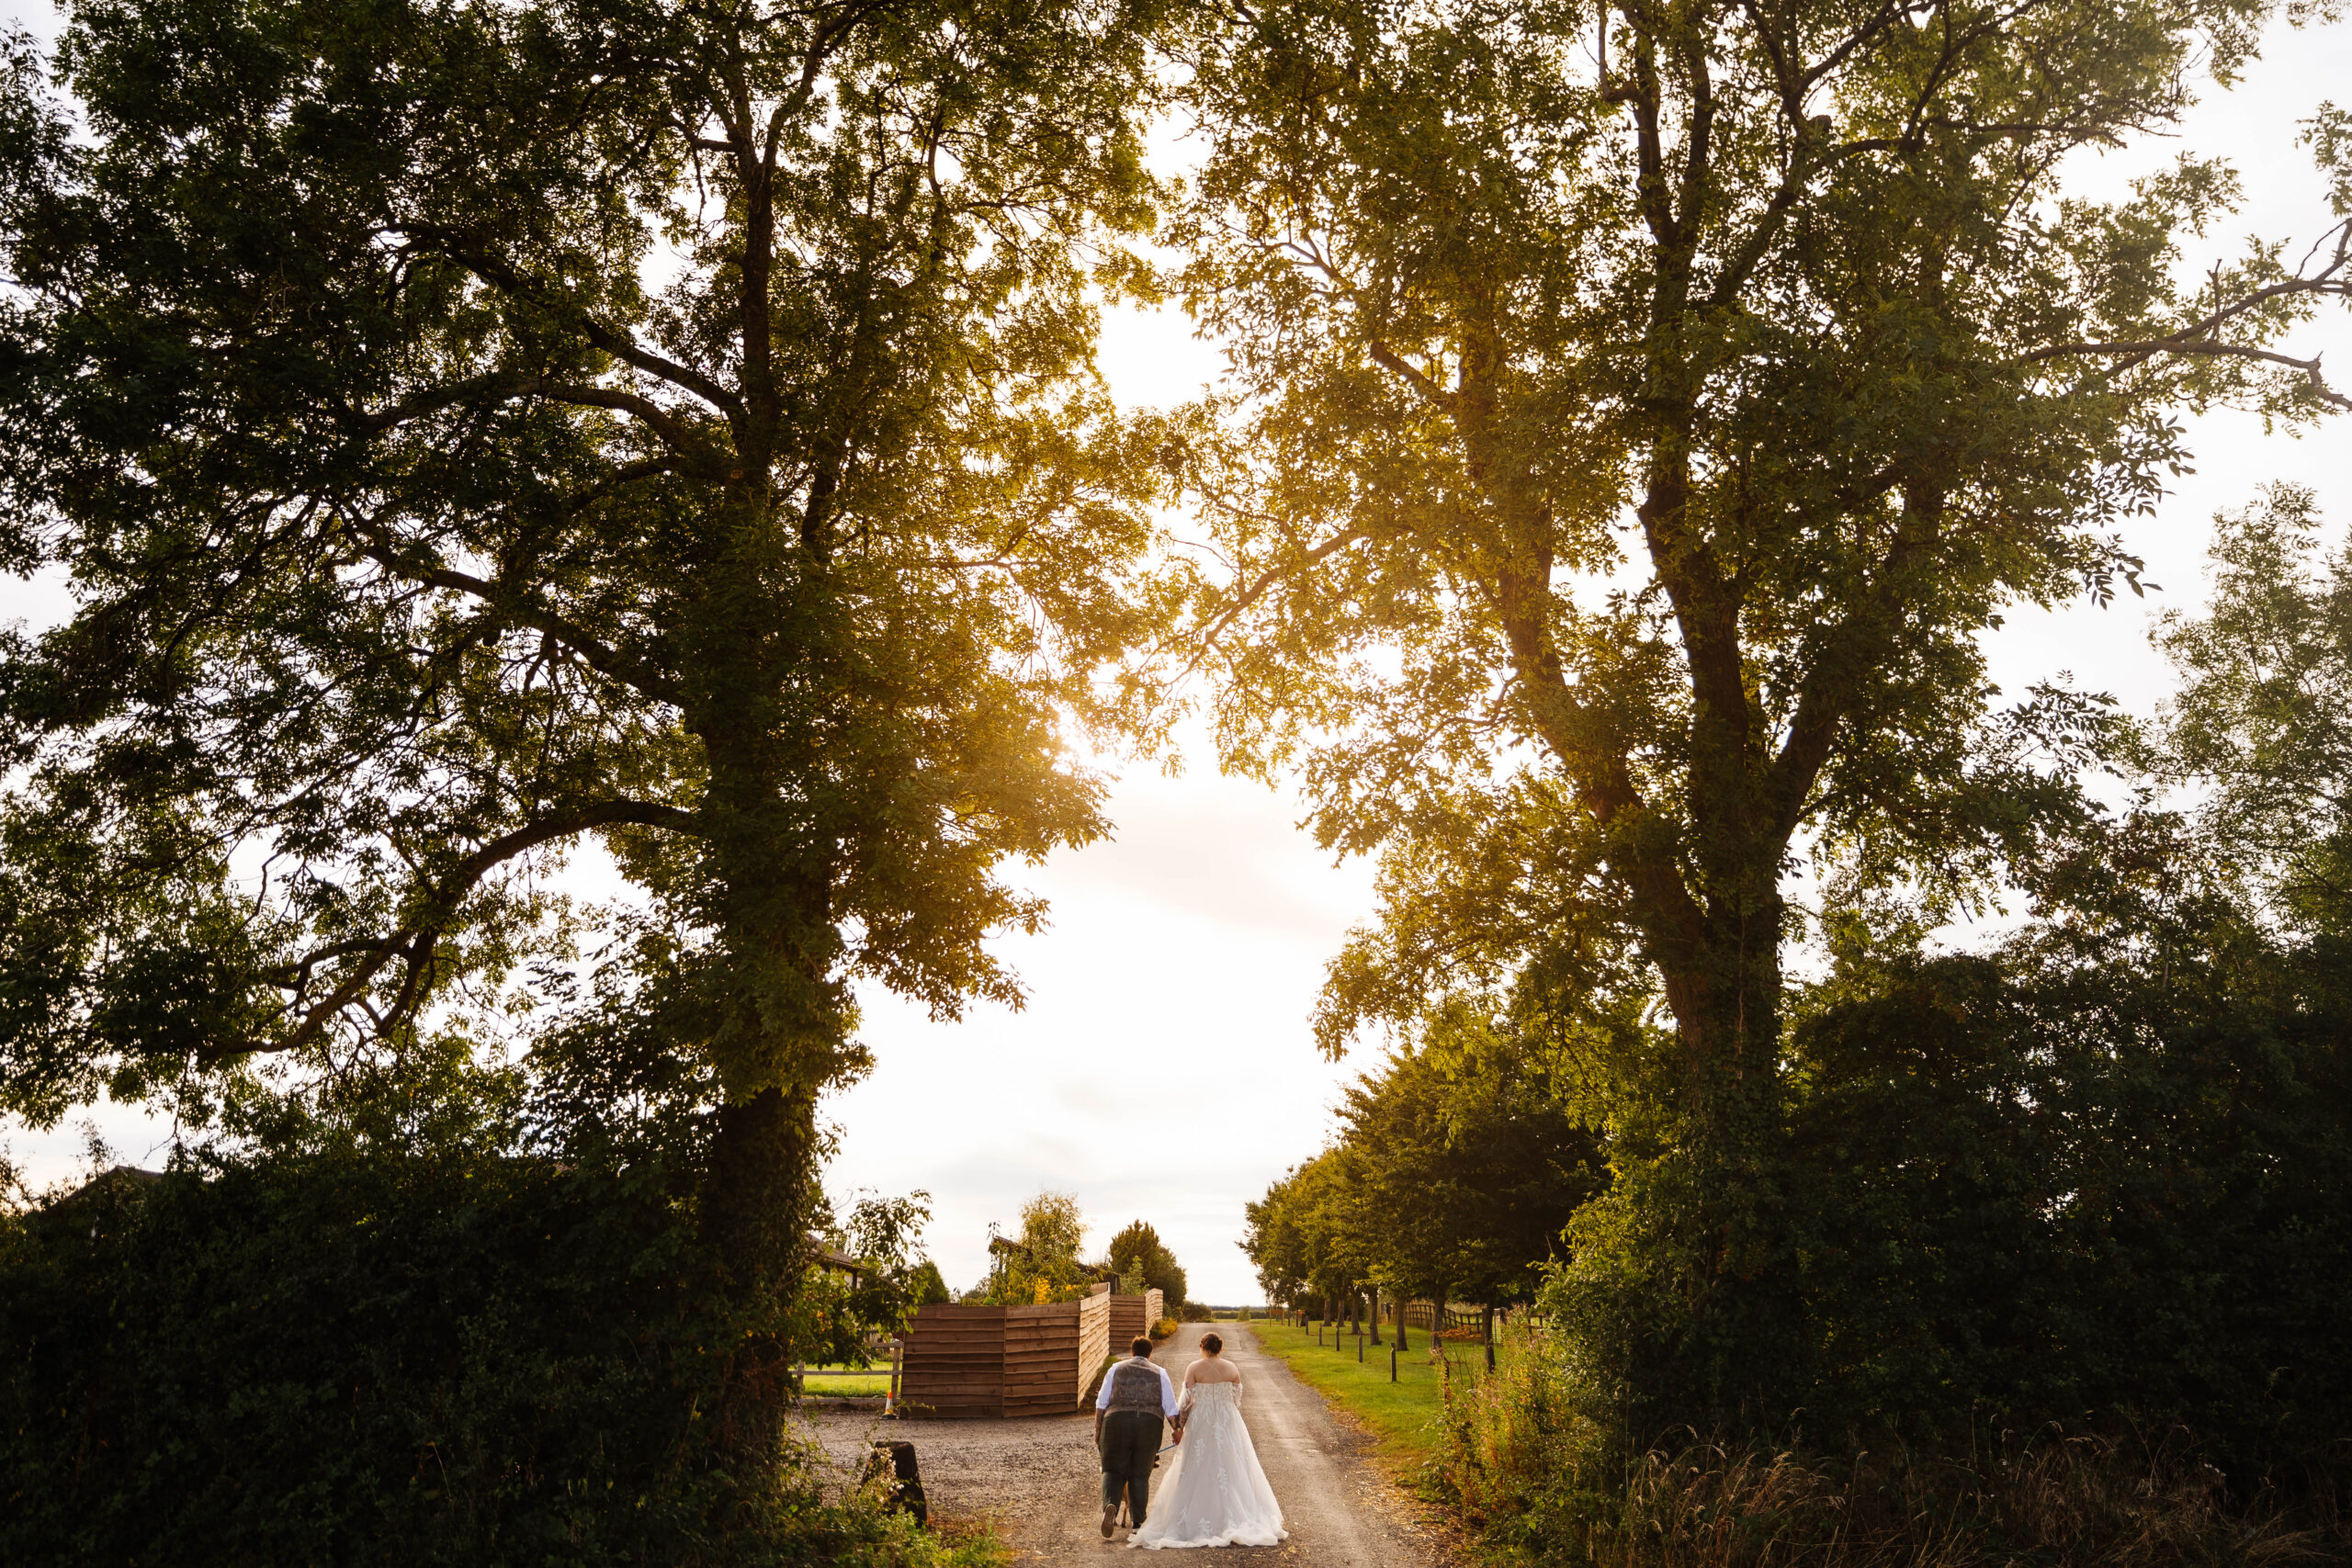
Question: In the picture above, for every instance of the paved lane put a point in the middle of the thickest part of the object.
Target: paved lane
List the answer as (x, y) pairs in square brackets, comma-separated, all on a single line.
[(1039, 1478)]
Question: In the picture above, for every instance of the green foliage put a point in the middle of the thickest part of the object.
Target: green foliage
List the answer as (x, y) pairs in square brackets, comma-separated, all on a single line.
[(1144, 1263), (1641, 413), (883, 1234), (1300, 1236), (400, 1357), (1466, 1165), (467, 431), (2263, 719), (1457, 1168), (930, 1288), (1043, 1264), (1519, 1467), (1639, 416), (2107, 1171)]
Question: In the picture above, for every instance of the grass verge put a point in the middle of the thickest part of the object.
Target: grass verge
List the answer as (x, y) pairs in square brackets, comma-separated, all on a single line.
[(1402, 1415)]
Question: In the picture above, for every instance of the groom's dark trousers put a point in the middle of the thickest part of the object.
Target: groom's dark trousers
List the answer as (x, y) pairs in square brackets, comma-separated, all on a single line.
[(1130, 1444)]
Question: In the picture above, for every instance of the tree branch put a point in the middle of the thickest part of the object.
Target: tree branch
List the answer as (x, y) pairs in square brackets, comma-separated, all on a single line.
[(1420, 380), (1267, 579), (606, 661), (2196, 338), (415, 939)]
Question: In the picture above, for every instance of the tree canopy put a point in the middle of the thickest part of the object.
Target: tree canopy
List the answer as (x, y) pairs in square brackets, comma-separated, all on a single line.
[(1143, 1262), (1042, 1263), (469, 432), (1457, 1168), (1640, 412)]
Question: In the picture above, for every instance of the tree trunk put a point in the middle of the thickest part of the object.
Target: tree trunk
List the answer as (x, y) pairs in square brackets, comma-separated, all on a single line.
[(1727, 1008), (765, 1007), (1375, 1317)]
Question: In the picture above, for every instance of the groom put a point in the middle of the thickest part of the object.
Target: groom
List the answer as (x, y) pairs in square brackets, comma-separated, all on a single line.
[(1136, 1396)]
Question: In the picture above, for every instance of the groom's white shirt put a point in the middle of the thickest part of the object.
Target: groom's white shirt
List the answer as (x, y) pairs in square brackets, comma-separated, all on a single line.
[(1167, 1386)]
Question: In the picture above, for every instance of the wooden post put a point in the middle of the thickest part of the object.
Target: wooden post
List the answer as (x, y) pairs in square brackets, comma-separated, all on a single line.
[(1392, 1363), (1487, 1328)]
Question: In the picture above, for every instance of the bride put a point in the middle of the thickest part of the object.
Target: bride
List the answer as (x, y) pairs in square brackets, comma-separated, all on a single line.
[(1216, 1494)]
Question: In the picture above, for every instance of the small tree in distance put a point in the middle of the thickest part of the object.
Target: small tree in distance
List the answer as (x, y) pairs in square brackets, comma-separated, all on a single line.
[(1143, 1263), (1043, 1264)]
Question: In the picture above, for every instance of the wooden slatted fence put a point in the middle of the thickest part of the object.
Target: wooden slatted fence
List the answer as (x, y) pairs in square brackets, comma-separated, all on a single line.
[(1132, 1316), (1003, 1360)]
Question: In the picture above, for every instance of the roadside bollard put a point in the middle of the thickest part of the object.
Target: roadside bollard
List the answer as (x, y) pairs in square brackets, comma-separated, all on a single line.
[(1392, 1363)]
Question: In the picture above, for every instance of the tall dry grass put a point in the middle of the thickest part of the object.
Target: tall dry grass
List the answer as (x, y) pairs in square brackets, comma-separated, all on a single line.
[(1542, 1482)]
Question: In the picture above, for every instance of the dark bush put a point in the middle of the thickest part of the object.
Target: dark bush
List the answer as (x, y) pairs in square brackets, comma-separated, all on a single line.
[(355, 1358), (2064, 1240), (2050, 1188)]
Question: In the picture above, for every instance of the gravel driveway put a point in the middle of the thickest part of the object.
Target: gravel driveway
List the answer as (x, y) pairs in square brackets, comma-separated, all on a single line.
[(1037, 1477)]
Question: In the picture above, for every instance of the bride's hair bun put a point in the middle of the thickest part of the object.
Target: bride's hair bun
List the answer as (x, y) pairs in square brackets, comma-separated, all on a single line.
[(1212, 1344)]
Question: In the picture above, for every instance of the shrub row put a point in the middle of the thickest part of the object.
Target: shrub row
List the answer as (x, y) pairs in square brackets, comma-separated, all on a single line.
[(384, 1359)]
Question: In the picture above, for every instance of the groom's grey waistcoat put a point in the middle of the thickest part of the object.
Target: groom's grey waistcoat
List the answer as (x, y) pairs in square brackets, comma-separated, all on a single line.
[(1135, 1386)]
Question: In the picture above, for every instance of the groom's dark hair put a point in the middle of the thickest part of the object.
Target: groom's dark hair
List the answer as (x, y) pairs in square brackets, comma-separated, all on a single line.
[(1141, 1347)]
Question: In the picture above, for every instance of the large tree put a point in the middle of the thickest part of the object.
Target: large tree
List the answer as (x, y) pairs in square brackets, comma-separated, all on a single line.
[(469, 429), (1642, 410)]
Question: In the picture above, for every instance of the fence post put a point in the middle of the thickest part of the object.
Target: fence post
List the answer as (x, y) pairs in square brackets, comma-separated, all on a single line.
[(1392, 1363)]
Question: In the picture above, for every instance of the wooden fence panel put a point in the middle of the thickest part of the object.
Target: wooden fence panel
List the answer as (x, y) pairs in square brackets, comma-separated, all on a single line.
[(997, 1361), (1093, 1343), (954, 1360)]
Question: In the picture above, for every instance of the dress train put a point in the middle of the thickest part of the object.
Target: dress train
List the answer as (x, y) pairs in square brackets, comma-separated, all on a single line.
[(1216, 1494)]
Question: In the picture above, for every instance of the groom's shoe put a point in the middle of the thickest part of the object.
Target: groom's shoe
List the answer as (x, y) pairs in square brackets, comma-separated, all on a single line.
[(1110, 1519)]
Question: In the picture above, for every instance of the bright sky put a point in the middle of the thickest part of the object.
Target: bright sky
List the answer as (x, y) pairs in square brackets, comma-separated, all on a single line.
[(1162, 1069)]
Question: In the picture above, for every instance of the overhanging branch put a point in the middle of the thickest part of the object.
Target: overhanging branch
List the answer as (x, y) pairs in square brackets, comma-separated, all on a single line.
[(2198, 339), (438, 901), (605, 660)]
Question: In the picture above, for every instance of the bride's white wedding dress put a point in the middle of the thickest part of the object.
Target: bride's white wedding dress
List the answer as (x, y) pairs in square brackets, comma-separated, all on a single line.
[(1216, 1494)]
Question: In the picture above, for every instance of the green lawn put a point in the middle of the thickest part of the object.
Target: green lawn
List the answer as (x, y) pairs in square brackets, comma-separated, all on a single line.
[(1402, 1415), (868, 1382)]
